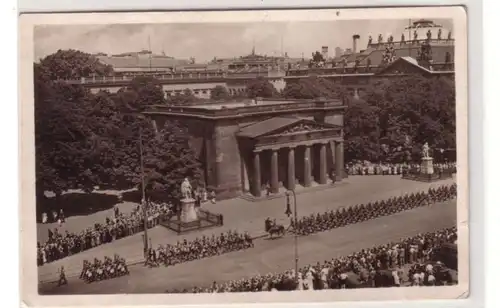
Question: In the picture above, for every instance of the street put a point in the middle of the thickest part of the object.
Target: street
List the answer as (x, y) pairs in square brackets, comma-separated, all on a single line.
[(270, 255), (238, 214)]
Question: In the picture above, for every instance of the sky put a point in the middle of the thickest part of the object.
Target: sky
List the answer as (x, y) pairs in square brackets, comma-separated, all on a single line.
[(204, 41)]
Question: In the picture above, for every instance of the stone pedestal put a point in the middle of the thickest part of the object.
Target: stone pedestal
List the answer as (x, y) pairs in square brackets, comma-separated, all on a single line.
[(427, 167), (188, 211)]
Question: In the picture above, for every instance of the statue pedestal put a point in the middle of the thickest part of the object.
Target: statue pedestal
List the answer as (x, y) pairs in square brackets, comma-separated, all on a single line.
[(188, 211), (427, 167)]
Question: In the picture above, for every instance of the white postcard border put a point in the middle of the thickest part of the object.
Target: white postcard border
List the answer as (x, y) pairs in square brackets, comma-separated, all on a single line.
[(28, 220)]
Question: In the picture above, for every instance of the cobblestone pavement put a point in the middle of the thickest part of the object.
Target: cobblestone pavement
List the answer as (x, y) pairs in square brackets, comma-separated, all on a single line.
[(239, 214), (271, 255)]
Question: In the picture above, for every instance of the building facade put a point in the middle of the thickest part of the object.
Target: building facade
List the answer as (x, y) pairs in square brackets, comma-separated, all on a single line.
[(257, 147)]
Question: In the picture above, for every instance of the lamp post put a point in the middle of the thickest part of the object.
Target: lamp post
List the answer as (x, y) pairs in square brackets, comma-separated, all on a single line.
[(143, 188), (143, 185), (288, 212)]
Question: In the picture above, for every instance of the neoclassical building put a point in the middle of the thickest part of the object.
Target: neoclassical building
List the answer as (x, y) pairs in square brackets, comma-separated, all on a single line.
[(247, 147)]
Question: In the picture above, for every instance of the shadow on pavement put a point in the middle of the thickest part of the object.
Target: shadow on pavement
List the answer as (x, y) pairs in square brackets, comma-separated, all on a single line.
[(75, 204)]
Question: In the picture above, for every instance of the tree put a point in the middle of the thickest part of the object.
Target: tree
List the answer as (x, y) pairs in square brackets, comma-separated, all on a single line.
[(167, 155), (83, 140), (219, 93), (317, 57), (261, 87), (73, 64), (186, 97), (142, 91), (314, 87), (63, 135), (394, 118), (168, 160)]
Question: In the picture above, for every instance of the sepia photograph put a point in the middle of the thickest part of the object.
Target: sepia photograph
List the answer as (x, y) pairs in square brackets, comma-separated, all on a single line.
[(305, 151)]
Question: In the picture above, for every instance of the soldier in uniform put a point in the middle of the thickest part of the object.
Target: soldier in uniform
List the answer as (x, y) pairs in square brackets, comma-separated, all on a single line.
[(62, 278), (61, 216)]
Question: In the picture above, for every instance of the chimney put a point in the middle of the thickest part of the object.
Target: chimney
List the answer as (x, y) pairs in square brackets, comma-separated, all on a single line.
[(355, 39), (324, 52)]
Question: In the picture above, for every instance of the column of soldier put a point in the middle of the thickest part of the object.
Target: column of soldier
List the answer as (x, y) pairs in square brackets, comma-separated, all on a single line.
[(204, 247), (407, 262), (358, 213), (185, 251), (60, 245), (103, 270)]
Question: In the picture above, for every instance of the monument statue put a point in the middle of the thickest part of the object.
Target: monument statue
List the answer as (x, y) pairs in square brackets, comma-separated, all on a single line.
[(425, 150), (186, 189)]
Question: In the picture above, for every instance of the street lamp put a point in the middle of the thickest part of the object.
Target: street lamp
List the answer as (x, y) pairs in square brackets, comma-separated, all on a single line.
[(143, 185), (288, 212), (143, 200)]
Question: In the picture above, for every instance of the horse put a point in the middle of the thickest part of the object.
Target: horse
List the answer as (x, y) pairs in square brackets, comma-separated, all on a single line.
[(274, 228)]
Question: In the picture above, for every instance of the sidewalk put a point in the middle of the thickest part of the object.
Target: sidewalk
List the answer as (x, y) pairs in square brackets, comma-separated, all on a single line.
[(243, 215)]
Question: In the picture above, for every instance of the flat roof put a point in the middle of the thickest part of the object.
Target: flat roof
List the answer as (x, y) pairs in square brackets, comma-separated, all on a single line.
[(243, 108), (216, 105)]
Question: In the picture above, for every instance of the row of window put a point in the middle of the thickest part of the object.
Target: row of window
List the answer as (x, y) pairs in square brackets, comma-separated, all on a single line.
[(206, 91)]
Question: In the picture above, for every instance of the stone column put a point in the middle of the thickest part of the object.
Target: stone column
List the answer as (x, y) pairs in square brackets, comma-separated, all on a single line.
[(274, 171), (291, 169), (339, 160), (256, 182), (307, 166), (322, 164)]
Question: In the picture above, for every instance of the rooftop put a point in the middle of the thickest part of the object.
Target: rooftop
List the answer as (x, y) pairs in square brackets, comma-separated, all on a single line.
[(246, 107), (134, 61), (241, 103)]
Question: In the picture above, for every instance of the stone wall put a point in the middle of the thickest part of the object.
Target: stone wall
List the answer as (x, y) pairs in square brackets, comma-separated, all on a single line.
[(227, 160), (336, 119)]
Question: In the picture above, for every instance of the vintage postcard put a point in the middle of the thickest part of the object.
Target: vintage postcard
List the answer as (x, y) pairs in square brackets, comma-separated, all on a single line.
[(228, 157)]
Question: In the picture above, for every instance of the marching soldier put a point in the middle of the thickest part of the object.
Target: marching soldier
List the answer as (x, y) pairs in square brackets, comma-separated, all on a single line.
[(62, 278)]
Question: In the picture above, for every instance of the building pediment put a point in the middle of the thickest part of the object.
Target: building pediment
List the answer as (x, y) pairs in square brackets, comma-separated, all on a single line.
[(403, 66), (301, 128), (284, 126)]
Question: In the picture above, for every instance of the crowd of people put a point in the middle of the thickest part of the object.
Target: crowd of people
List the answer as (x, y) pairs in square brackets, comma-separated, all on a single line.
[(367, 168), (199, 248), (407, 262), (62, 244), (357, 213), (104, 270), (60, 218)]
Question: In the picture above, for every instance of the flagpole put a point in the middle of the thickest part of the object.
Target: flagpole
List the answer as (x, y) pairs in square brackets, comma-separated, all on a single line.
[(150, 52), (409, 37), (143, 188)]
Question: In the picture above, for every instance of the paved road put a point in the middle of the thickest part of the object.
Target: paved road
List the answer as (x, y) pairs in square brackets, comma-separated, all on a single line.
[(271, 255), (240, 215)]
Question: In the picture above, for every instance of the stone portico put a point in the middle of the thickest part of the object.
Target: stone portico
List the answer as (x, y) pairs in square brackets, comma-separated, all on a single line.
[(285, 151), (259, 145)]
